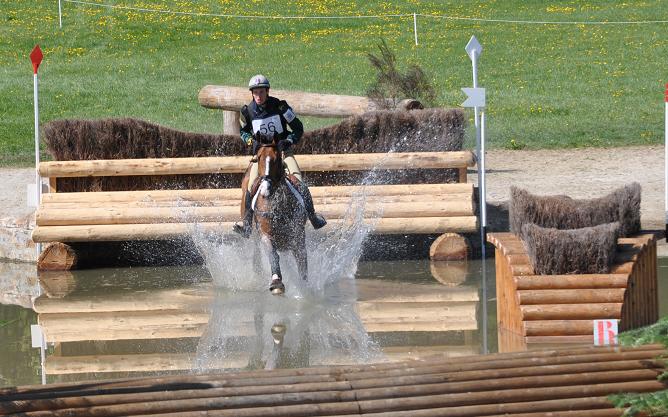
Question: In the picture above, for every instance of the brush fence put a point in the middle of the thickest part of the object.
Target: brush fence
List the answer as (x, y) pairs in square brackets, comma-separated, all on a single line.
[(166, 214), (232, 99), (565, 382), (547, 309)]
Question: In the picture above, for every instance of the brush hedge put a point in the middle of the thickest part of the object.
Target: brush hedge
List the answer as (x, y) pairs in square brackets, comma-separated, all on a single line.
[(563, 212), (381, 131), (587, 250)]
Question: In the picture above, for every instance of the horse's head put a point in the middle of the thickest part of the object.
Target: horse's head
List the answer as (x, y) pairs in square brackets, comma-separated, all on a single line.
[(270, 163)]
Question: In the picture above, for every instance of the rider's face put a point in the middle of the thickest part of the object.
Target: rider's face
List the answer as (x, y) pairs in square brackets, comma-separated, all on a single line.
[(260, 95)]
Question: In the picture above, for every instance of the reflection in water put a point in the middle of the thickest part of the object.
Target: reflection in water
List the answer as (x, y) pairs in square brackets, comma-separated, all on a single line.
[(258, 330)]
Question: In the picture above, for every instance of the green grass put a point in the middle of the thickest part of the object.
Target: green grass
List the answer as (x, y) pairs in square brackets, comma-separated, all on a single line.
[(548, 86)]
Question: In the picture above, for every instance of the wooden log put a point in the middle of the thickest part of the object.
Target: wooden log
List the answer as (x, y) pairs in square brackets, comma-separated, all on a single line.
[(101, 216), (449, 247), (548, 408), (238, 164), (576, 296), (586, 340), (307, 104), (201, 396), (503, 396), (583, 281), (586, 412), (571, 311), (57, 256), (559, 327), (449, 273), (147, 389), (550, 361), (235, 193), (127, 232), (433, 199)]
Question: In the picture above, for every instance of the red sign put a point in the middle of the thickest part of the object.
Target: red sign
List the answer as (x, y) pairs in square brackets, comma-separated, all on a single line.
[(36, 58), (666, 92)]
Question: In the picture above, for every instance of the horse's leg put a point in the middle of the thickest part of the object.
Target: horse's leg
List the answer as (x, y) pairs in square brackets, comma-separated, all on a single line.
[(276, 286), (301, 256)]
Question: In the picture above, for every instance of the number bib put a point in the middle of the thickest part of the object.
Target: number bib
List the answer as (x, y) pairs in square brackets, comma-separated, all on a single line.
[(268, 126)]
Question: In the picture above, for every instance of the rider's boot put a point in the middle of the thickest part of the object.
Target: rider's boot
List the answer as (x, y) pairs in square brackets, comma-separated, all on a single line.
[(316, 219), (245, 229)]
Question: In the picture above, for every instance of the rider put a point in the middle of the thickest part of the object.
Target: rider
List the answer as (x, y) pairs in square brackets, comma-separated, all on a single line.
[(269, 116)]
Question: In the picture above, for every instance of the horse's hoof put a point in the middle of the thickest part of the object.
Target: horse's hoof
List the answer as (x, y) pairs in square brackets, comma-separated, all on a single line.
[(242, 230), (277, 287), (277, 333)]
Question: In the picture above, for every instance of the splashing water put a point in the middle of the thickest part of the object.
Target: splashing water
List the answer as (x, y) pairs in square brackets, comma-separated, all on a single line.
[(315, 322)]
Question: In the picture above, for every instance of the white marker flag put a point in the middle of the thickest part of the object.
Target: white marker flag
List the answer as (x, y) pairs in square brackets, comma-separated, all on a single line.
[(605, 332)]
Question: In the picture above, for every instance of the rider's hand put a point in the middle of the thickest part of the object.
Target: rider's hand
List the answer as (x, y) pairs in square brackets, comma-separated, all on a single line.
[(246, 137), (284, 145)]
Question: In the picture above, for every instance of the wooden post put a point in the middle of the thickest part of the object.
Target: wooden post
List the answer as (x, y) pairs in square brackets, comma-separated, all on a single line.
[(231, 124)]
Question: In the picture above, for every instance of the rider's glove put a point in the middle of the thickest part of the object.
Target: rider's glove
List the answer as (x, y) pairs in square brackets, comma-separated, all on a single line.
[(284, 145), (246, 137)]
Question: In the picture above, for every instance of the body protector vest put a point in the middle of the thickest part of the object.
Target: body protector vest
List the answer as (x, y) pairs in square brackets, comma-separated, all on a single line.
[(272, 118)]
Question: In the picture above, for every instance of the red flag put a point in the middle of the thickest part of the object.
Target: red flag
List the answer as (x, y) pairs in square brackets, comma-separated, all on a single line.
[(36, 58)]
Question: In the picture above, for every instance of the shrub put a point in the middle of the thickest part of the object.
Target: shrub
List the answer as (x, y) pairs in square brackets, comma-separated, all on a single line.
[(392, 86)]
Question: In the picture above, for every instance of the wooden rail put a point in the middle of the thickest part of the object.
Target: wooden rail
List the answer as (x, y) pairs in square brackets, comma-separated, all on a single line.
[(238, 164), (308, 104), (560, 308), (167, 214), (569, 382)]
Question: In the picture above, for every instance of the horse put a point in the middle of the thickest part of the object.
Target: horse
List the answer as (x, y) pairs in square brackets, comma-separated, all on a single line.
[(278, 211)]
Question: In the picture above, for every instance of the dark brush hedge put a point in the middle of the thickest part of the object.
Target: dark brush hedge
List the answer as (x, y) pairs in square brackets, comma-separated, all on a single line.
[(563, 212), (587, 250), (381, 131)]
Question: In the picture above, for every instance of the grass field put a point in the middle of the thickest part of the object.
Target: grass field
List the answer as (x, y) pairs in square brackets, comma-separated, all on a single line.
[(547, 85)]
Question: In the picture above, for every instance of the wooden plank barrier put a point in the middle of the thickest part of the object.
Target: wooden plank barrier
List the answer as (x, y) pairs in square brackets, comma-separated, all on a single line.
[(568, 382), (545, 309), (166, 214)]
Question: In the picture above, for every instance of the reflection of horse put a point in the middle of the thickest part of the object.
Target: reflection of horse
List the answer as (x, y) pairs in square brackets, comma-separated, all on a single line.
[(278, 210)]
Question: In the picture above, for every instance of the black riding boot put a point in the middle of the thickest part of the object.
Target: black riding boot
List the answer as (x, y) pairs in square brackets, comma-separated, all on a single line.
[(245, 228), (317, 221)]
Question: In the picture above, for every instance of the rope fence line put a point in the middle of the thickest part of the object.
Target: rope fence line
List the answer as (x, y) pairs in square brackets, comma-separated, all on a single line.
[(380, 16)]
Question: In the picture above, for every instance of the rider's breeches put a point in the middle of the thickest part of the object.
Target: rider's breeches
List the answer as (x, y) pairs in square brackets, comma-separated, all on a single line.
[(289, 162)]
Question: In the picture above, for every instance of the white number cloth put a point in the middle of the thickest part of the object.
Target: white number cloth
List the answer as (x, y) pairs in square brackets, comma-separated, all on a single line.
[(268, 126)]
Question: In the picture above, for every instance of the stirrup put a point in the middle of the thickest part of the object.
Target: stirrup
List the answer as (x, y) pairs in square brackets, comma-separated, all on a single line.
[(317, 221), (242, 229), (277, 287)]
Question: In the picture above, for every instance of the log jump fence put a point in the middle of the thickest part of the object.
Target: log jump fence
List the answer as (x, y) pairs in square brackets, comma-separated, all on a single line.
[(231, 99), (549, 309), (165, 214), (566, 382)]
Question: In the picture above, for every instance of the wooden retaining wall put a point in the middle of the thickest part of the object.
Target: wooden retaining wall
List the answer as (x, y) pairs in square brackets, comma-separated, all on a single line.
[(565, 382), (546, 309)]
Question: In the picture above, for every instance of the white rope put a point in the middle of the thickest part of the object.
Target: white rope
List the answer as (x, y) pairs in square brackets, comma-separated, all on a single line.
[(544, 22), (414, 15), (239, 16)]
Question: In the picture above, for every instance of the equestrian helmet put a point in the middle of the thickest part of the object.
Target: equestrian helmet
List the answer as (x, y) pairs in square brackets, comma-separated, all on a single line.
[(258, 81)]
